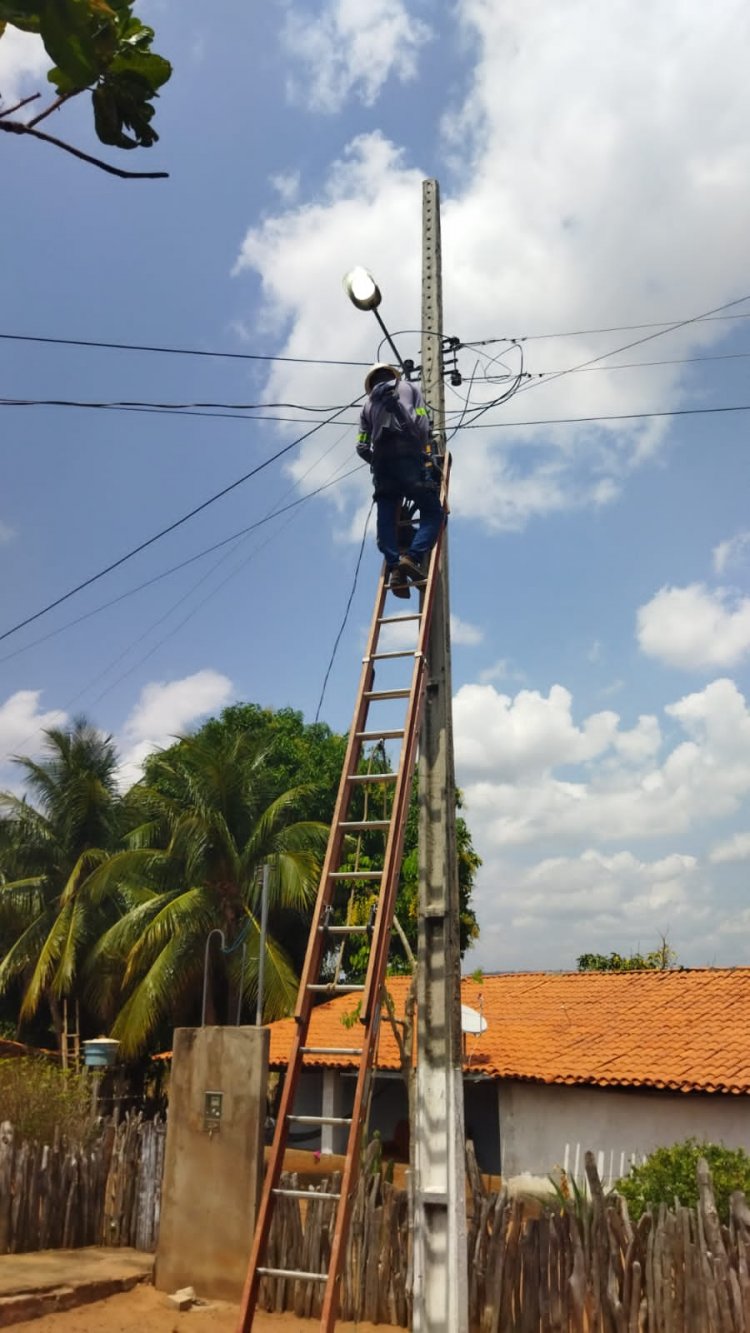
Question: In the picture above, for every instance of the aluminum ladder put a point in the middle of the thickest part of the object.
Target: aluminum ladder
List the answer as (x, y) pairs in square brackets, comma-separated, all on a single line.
[(324, 934)]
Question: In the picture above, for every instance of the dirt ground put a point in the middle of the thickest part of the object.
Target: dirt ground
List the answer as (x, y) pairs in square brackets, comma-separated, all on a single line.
[(143, 1310)]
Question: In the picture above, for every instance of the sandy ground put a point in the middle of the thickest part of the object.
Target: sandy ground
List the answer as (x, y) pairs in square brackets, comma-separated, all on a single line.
[(143, 1310)]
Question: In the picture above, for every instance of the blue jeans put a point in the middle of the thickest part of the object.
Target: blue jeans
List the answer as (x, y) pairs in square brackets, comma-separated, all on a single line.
[(405, 480)]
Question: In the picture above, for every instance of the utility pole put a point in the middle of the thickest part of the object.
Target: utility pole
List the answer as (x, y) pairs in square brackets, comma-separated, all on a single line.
[(440, 1278)]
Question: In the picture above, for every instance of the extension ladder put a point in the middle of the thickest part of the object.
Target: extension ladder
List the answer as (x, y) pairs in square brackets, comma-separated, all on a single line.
[(324, 933)]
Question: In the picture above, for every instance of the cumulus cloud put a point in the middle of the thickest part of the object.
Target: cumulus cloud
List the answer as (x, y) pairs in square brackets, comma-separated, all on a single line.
[(565, 135), (564, 906), (734, 849), (695, 627), (21, 725), (164, 710), (350, 47), (507, 751), (731, 552), (23, 61), (464, 633), (515, 738)]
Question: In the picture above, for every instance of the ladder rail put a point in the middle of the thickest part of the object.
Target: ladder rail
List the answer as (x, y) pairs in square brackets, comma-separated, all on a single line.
[(331, 877), (310, 968)]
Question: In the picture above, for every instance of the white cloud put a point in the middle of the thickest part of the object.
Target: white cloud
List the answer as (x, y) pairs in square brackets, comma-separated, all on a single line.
[(567, 133), (23, 61), (286, 184), (695, 627), (734, 849), (464, 633), (530, 734), (164, 710), (507, 751), (21, 726), (7, 533), (351, 47), (731, 552), (564, 906)]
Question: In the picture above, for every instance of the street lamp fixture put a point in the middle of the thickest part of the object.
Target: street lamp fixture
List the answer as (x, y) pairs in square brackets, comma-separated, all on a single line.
[(362, 289), (364, 293)]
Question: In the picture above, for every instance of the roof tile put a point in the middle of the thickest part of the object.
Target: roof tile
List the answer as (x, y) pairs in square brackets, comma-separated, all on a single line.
[(681, 1029)]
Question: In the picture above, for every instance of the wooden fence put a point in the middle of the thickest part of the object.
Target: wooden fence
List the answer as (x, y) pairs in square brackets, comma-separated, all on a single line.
[(63, 1195), (534, 1266)]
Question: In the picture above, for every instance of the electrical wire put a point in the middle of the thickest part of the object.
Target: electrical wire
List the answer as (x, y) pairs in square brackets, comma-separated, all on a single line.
[(615, 416), (182, 564), (174, 351), (165, 407), (171, 527), (616, 328), (638, 342), (342, 626)]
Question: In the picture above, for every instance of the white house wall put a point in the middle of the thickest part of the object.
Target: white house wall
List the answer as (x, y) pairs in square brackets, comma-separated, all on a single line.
[(537, 1121)]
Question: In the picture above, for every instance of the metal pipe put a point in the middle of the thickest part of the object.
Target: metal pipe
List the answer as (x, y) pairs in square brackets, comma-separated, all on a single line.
[(390, 341), (262, 947)]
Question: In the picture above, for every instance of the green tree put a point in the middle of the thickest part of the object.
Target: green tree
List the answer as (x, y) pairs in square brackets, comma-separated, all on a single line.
[(312, 754), (97, 46), (51, 843), (658, 960), (670, 1173), (206, 819)]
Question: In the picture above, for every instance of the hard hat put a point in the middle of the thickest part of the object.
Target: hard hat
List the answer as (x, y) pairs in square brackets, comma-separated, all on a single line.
[(373, 371)]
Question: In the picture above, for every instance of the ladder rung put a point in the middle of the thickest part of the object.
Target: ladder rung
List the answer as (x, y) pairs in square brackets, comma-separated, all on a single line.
[(373, 777), (335, 988), (355, 874), (387, 694), (352, 824), (320, 1119), (330, 1050), (295, 1273), (399, 620), (383, 657), (307, 1194), (380, 735), (345, 930)]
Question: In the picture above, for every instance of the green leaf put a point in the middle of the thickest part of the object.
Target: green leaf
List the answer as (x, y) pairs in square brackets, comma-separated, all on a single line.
[(23, 14), (66, 29)]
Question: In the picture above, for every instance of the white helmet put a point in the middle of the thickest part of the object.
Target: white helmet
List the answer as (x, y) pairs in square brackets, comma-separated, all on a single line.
[(374, 370)]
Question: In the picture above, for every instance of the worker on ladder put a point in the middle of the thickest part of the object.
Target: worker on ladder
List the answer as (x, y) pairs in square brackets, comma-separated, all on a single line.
[(394, 438)]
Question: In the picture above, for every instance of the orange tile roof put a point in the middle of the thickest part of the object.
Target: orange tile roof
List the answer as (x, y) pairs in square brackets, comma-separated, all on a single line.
[(686, 1030)]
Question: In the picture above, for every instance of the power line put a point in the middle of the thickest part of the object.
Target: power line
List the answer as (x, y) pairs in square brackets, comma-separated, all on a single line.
[(156, 411), (182, 564), (616, 328), (171, 527), (615, 416), (165, 407), (347, 609), (175, 351), (638, 342)]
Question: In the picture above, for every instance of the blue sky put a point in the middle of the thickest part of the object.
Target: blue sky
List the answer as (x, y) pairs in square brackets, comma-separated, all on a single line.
[(594, 168)]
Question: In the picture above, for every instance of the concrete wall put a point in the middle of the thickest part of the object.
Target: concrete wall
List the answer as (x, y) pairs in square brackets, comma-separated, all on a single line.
[(538, 1120), (212, 1179)]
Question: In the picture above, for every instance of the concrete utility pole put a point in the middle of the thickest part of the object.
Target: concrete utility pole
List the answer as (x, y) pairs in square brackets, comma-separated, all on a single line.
[(440, 1280)]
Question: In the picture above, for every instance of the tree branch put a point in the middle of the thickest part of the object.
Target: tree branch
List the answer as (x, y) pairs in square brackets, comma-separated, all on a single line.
[(18, 127), (64, 97), (24, 102)]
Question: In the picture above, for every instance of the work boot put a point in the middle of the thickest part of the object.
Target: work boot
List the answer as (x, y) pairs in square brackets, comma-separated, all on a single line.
[(411, 569), (398, 583)]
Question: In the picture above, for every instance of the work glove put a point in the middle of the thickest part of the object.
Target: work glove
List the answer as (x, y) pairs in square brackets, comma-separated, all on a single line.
[(365, 452)]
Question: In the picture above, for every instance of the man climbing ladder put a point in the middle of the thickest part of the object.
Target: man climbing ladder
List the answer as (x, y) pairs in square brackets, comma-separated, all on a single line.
[(394, 438)]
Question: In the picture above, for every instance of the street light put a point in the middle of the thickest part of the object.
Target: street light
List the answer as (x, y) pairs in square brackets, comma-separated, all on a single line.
[(364, 293), (362, 289)]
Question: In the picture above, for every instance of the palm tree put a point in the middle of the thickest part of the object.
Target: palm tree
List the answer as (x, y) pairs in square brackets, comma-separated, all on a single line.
[(50, 843), (206, 824)]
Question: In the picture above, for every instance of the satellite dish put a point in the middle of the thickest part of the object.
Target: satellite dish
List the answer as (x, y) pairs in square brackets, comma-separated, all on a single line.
[(471, 1021)]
